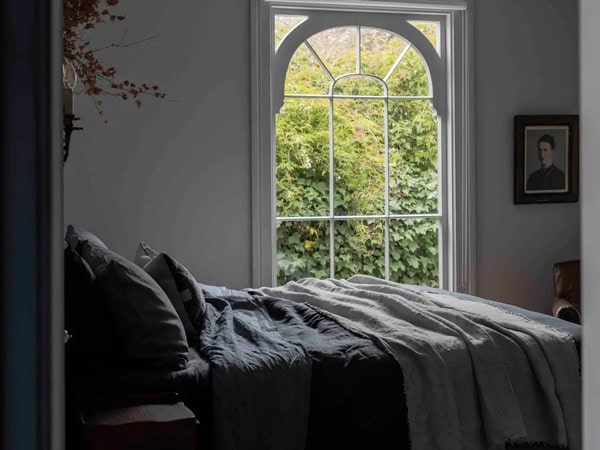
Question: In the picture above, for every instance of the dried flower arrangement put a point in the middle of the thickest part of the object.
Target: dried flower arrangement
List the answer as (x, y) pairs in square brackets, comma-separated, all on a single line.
[(80, 16)]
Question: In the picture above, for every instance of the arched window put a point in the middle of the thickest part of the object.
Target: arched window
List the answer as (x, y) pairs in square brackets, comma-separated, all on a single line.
[(362, 167)]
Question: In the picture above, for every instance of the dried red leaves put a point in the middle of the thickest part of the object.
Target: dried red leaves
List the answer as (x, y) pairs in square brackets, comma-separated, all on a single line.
[(79, 16)]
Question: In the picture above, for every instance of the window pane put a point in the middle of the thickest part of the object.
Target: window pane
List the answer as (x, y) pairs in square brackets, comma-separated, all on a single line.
[(414, 251), (379, 50), (413, 143), (302, 158), (302, 250), (284, 24), (410, 77), (359, 248), (359, 154), (431, 30), (358, 85), (337, 49), (305, 75)]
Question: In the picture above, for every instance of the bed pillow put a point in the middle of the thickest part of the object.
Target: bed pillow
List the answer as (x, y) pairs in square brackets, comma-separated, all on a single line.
[(148, 327), (193, 298), (79, 279), (98, 257), (181, 288), (76, 236), (86, 317), (160, 270), (144, 254), (188, 287)]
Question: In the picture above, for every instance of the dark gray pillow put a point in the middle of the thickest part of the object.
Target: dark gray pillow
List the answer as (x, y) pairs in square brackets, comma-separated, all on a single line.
[(76, 236), (86, 316), (99, 257), (159, 269), (148, 327), (191, 294)]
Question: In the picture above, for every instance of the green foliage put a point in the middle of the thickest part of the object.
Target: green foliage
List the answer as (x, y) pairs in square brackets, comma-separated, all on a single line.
[(302, 165)]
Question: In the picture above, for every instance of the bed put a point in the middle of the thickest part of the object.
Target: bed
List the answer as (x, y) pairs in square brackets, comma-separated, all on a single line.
[(324, 364)]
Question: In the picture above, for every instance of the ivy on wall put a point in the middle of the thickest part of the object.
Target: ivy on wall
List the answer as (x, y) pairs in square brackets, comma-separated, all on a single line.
[(302, 164)]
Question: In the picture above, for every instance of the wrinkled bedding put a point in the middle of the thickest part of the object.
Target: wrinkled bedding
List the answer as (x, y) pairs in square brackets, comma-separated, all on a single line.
[(355, 391), (571, 328), (286, 376), (475, 375), (260, 380)]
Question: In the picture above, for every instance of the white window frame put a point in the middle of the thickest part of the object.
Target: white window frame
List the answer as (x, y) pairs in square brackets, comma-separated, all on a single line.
[(454, 102)]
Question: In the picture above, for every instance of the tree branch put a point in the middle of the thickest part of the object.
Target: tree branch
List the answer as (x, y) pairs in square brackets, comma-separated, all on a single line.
[(120, 45)]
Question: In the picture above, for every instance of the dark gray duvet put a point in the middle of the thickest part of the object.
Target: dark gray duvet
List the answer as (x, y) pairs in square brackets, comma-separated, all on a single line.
[(286, 376)]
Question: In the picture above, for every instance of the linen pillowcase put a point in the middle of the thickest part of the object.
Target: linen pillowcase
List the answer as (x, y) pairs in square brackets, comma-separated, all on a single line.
[(98, 257), (190, 292), (76, 236), (144, 254), (147, 324), (86, 316), (159, 269), (189, 289), (79, 279)]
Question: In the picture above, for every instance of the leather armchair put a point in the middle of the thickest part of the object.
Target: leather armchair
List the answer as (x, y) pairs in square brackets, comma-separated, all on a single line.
[(566, 303)]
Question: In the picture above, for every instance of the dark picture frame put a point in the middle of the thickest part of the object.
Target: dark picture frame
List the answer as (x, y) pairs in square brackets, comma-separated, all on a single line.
[(546, 159)]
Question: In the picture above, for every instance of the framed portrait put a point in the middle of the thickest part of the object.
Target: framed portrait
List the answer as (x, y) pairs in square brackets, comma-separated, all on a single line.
[(546, 159)]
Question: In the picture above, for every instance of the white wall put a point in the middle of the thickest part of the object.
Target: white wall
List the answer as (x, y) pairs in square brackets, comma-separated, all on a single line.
[(526, 56), (175, 174), (590, 218), (178, 174)]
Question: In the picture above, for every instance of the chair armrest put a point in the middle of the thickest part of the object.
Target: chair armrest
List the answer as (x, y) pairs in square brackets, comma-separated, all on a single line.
[(563, 309)]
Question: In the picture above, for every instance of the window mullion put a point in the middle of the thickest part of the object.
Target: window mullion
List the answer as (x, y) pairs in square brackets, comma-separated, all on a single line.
[(319, 60), (360, 97), (365, 217), (358, 54), (331, 189), (398, 61), (387, 184)]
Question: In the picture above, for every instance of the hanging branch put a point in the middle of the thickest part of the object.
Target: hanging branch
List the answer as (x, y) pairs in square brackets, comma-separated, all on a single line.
[(80, 16)]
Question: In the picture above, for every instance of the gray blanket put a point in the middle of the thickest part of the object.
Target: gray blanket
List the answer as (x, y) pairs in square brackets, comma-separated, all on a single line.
[(476, 376)]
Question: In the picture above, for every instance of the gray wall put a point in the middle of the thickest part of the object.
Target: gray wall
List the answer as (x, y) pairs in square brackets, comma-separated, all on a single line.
[(178, 174), (526, 56), (175, 174), (590, 218)]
